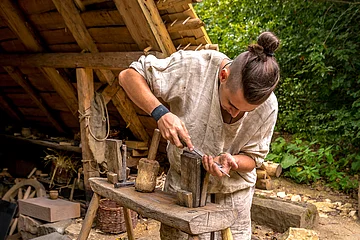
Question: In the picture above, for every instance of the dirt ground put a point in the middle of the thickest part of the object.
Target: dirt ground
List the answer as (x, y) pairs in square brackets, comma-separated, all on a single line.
[(333, 225)]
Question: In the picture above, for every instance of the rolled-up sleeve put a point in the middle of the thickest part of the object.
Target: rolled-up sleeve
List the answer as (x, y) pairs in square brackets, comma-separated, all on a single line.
[(259, 145)]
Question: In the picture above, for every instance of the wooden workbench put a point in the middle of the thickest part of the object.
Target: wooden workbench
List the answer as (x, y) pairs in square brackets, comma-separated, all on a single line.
[(162, 207)]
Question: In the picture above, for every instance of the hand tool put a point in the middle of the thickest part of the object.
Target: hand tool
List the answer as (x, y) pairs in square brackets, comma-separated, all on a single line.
[(200, 154), (123, 182)]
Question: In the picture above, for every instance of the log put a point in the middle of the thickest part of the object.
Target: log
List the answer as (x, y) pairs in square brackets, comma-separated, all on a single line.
[(261, 174), (272, 169), (264, 184), (279, 215)]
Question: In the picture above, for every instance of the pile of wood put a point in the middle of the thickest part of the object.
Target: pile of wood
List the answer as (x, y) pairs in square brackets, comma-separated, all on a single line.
[(136, 151), (264, 174)]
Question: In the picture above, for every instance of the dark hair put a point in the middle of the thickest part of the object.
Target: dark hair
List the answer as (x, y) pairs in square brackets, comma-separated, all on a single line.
[(256, 70)]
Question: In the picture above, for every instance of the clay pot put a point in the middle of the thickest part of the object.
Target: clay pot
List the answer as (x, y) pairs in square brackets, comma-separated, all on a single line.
[(53, 194)]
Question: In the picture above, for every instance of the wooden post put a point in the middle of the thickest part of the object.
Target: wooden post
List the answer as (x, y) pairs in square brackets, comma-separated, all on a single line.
[(89, 218), (85, 88)]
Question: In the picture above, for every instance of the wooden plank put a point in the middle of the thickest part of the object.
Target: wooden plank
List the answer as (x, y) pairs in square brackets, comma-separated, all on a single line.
[(185, 25), (101, 18), (13, 46), (162, 207), (157, 26), (164, 5), (18, 77), (110, 60), (47, 21), (57, 36), (85, 88), (49, 210), (75, 24), (64, 48), (111, 35), (36, 6), (137, 24)]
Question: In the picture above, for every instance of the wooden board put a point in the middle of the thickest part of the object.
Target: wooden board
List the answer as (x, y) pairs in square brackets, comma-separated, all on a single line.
[(162, 207), (49, 210)]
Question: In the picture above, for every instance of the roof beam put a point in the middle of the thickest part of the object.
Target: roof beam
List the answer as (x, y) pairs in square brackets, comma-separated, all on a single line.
[(10, 109), (18, 24), (163, 5), (19, 78), (185, 25), (106, 60), (145, 25), (78, 29)]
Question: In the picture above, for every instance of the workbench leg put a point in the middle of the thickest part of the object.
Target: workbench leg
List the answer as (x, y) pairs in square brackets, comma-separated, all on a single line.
[(128, 223), (226, 234), (89, 218)]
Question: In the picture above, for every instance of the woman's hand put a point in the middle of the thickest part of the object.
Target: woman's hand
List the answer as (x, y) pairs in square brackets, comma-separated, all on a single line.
[(172, 129), (225, 159)]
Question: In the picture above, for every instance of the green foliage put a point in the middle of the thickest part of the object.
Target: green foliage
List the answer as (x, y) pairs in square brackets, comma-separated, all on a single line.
[(309, 162), (319, 93)]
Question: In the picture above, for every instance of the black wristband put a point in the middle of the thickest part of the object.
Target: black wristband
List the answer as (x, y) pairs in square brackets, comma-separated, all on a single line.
[(159, 111)]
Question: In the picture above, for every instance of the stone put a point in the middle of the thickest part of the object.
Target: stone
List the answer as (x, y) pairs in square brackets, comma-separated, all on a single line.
[(28, 224), (324, 206), (53, 236), (300, 234), (59, 227), (281, 194), (296, 198)]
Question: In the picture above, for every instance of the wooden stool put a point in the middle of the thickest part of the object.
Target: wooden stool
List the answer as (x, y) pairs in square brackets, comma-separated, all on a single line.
[(162, 207)]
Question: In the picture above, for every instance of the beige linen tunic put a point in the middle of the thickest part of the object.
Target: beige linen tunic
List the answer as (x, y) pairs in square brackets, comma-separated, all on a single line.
[(188, 82)]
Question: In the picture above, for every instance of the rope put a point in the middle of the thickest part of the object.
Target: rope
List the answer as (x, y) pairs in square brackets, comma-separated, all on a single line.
[(94, 169), (87, 114)]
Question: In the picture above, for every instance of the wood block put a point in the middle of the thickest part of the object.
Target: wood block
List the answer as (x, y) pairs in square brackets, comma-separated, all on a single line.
[(280, 215), (191, 170), (49, 210), (184, 198), (113, 157), (137, 145), (112, 177)]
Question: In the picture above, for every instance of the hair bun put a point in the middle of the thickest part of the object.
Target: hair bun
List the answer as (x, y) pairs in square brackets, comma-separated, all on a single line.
[(269, 41)]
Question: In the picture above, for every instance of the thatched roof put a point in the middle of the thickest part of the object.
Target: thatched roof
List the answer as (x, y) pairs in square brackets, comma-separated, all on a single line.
[(43, 41)]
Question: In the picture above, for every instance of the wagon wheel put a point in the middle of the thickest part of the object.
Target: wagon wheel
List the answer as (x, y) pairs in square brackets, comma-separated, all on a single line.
[(28, 188)]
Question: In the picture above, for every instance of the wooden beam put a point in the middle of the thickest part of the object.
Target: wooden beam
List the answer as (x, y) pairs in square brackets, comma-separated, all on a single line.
[(185, 25), (163, 5), (18, 77), (77, 27), (14, 18), (85, 88), (17, 22), (10, 108), (105, 60), (157, 26), (137, 24)]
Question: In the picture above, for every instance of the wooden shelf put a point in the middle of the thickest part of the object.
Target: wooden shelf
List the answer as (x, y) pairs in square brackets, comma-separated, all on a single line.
[(44, 143)]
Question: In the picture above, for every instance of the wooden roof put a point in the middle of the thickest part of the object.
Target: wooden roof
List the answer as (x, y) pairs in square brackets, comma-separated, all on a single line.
[(42, 42)]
